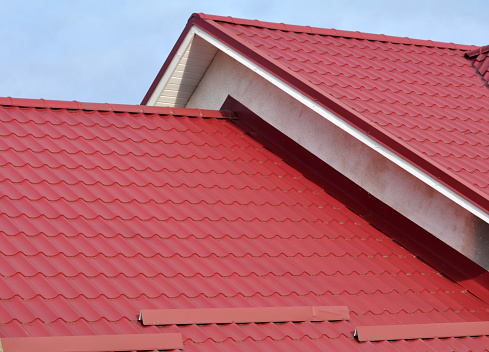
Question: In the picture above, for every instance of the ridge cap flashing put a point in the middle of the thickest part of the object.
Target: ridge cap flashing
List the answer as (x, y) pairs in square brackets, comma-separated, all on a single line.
[(477, 51), (333, 32), (107, 107)]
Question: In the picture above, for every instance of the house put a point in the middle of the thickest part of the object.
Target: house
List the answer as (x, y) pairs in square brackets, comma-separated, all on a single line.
[(279, 188)]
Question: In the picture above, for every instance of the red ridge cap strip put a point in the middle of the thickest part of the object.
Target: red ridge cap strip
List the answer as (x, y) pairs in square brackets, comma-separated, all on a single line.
[(141, 109), (421, 331), (466, 190), (242, 315), (331, 32), (477, 52), (128, 342)]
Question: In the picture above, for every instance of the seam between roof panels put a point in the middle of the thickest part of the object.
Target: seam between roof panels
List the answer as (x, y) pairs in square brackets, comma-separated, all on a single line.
[(337, 121)]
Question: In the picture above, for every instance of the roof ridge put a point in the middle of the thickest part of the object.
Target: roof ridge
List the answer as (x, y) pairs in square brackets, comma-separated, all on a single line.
[(477, 51), (86, 106), (333, 32)]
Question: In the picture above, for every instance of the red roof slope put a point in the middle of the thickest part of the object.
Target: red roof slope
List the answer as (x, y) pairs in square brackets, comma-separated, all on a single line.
[(107, 210), (421, 99)]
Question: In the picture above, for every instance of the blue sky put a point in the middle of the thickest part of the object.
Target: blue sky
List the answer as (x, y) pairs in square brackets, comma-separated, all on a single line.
[(110, 51)]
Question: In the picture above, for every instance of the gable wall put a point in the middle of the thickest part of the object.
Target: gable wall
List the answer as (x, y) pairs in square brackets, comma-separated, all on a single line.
[(366, 167)]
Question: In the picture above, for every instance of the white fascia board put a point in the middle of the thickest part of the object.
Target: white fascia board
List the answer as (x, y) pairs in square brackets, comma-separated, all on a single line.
[(171, 68), (421, 175)]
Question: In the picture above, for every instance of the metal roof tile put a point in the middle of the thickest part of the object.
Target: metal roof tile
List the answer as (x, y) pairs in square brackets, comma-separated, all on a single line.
[(42, 285), (42, 309), (23, 266), (14, 328), (63, 286), (166, 224), (61, 262), (6, 316), (17, 307)]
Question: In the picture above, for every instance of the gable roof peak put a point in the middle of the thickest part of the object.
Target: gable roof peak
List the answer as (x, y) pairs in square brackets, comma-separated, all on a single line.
[(106, 107)]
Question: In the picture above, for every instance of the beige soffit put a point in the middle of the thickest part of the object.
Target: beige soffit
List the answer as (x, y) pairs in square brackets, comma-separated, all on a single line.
[(184, 73)]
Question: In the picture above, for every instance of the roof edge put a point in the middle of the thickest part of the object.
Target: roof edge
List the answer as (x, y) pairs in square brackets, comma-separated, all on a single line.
[(105, 107), (332, 32)]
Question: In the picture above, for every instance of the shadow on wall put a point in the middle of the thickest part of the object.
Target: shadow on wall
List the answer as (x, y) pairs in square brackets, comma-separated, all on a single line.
[(478, 244), (420, 242)]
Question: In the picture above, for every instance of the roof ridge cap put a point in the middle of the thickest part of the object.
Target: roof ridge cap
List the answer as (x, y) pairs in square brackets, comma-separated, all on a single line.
[(332, 32), (86, 106), (477, 51)]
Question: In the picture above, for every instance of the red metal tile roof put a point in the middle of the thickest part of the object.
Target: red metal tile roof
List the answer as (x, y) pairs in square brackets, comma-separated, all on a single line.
[(422, 99), (106, 211)]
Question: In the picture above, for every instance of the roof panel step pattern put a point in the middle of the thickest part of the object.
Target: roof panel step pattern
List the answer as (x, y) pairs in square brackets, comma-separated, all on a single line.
[(104, 214)]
